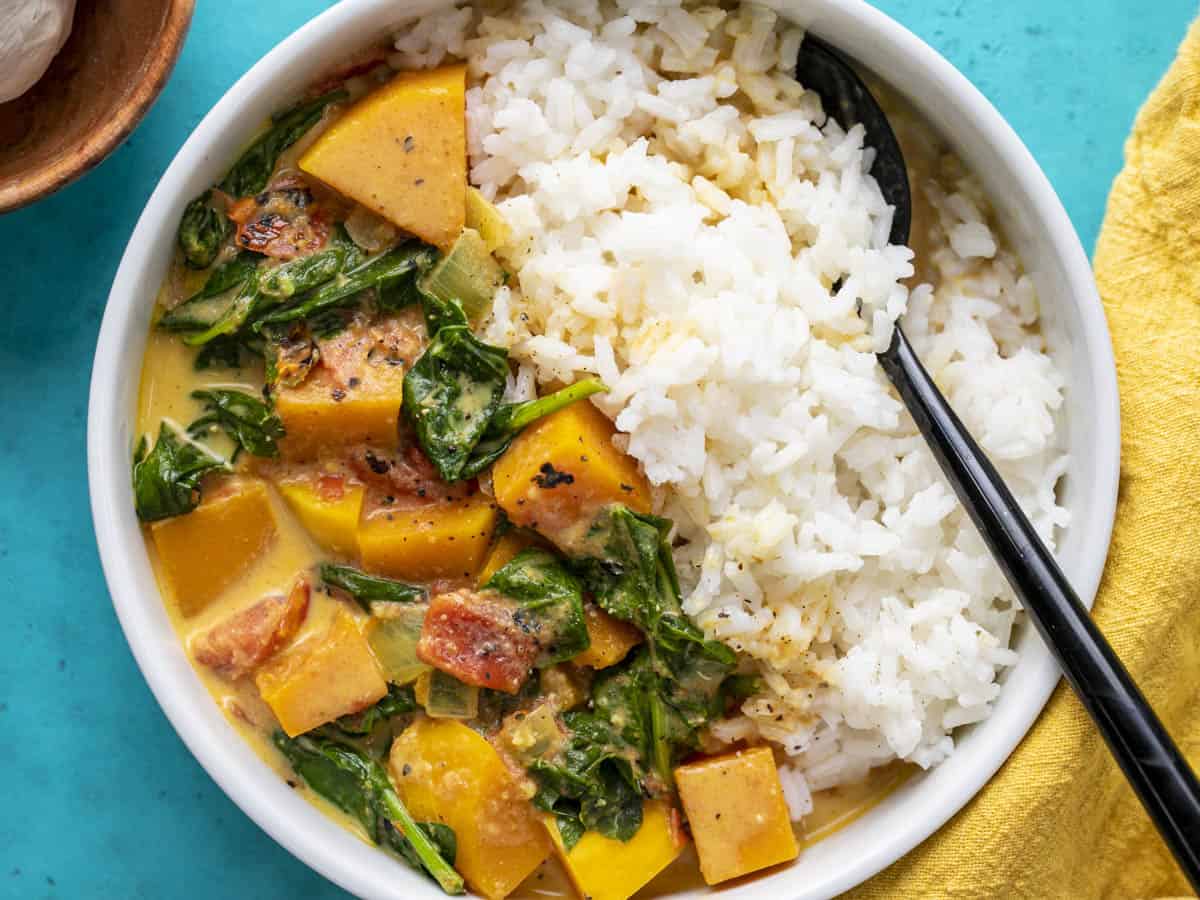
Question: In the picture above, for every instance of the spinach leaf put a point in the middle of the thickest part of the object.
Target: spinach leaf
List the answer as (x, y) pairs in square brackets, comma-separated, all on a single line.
[(296, 276), (369, 589), (202, 231), (358, 784), (551, 601), (451, 394), (268, 287), (166, 480), (442, 836), (673, 686), (441, 314), (246, 419), (223, 353), (399, 701), (593, 785), (387, 274), (253, 169), (511, 418), (206, 307)]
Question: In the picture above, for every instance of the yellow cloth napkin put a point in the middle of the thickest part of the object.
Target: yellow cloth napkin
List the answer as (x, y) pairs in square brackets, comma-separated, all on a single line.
[(1058, 820)]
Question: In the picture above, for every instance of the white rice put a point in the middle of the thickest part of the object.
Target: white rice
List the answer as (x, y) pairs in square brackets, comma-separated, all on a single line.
[(681, 209)]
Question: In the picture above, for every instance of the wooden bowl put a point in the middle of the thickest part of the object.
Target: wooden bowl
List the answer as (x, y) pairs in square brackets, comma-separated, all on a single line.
[(105, 78)]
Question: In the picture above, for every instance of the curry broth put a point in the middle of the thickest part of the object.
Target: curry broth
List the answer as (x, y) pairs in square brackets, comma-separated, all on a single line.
[(168, 378)]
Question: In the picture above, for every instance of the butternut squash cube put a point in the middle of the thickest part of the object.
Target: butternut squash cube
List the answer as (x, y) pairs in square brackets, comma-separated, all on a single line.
[(354, 394), (737, 813), (402, 152), (502, 553), (447, 540), (605, 869), (446, 772), (333, 523), (611, 639), (318, 413), (206, 550), (323, 678), (562, 470)]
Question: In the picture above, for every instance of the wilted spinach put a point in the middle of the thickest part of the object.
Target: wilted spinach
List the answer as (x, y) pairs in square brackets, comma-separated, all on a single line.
[(358, 784), (670, 688), (451, 394), (368, 590), (253, 169), (249, 422), (551, 601), (288, 279), (511, 418), (593, 784), (206, 307), (389, 273), (202, 231), (166, 480), (399, 701)]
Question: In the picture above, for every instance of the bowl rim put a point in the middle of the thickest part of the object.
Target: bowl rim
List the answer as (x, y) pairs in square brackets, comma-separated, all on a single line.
[(345, 860), (59, 171)]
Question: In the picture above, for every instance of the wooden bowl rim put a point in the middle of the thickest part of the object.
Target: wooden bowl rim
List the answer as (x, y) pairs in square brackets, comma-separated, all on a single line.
[(60, 171)]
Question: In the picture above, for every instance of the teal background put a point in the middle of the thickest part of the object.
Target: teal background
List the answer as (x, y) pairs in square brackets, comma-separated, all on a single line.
[(99, 797)]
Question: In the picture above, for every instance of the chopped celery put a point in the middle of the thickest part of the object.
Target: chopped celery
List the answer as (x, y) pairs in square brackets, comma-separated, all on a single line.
[(393, 634), (468, 273), (445, 697), (486, 219)]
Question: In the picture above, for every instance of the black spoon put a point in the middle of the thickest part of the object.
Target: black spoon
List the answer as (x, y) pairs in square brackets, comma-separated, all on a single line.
[(1153, 764)]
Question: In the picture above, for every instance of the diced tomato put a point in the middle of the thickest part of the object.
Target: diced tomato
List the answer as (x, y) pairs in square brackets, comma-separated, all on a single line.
[(405, 479), (394, 342), (477, 638), (282, 222), (243, 642)]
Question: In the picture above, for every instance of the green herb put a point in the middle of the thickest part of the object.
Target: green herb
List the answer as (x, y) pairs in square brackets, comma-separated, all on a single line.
[(593, 784), (359, 785), (441, 314), (511, 418), (451, 394), (253, 169), (399, 701), (286, 280), (166, 481), (369, 589), (669, 689), (551, 601), (386, 274), (206, 307), (246, 419), (223, 353), (202, 231)]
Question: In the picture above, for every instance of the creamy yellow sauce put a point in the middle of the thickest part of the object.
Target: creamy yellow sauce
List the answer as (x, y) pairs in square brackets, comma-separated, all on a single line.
[(168, 378)]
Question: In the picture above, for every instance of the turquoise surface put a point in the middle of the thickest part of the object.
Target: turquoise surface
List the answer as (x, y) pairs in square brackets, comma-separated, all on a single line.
[(100, 797)]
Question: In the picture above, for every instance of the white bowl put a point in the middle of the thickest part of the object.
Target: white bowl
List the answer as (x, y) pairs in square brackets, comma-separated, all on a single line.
[(1035, 222)]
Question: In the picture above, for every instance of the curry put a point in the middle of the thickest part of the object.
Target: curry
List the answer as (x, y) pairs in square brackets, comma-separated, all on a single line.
[(447, 613)]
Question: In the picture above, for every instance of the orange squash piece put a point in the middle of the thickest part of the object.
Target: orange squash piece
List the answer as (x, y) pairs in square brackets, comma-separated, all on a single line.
[(401, 151), (446, 772), (562, 470), (325, 677), (735, 807), (206, 550), (444, 540), (602, 868), (611, 639)]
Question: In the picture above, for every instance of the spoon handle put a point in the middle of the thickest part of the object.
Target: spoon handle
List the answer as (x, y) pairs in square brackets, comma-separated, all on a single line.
[(1153, 764)]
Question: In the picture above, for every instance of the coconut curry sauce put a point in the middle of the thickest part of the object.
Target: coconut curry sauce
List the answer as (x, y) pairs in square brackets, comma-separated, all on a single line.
[(450, 618)]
